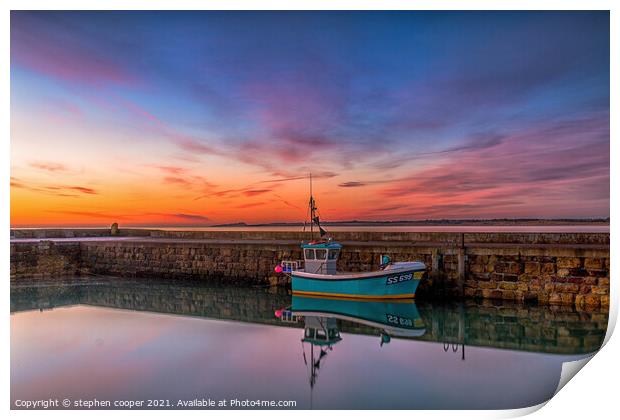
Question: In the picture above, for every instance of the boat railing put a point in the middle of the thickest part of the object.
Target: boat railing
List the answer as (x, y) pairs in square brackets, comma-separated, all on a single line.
[(287, 316), (288, 266)]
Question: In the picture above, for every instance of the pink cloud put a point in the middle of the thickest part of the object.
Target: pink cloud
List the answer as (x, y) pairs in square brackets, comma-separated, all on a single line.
[(49, 166), (251, 193), (67, 61), (529, 173), (175, 170), (249, 205)]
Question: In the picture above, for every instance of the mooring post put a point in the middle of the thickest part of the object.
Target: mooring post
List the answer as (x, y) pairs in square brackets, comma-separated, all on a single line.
[(461, 257), (461, 264), (435, 257), (462, 329)]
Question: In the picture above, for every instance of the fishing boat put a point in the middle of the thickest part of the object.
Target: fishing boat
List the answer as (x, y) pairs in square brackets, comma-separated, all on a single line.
[(317, 275)]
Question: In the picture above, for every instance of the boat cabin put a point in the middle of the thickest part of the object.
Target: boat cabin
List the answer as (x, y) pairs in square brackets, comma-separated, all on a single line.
[(321, 331), (321, 257)]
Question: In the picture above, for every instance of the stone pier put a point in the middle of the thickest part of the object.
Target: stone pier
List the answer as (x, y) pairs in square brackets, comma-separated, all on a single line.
[(548, 268)]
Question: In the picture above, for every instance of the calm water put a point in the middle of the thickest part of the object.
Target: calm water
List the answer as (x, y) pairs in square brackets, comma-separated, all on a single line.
[(119, 340)]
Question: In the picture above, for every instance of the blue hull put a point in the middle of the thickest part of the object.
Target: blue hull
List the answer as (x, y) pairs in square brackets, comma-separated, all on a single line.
[(389, 286), (403, 315)]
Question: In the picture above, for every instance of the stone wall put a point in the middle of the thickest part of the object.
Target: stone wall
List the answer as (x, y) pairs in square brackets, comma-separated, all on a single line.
[(45, 259), (544, 268), (236, 263), (435, 238), (74, 233), (580, 278)]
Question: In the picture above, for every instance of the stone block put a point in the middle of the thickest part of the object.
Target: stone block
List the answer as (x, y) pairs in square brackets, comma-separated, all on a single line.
[(497, 277), (592, 300), (568, 262), (595, 273), (471, 283), (508, 295), (590, 281), (470, 292), (511, 277), (491, 294), (531, 268), (582, 272), (535, 284), (580, 300), (593, 263), (600, 290), (524, 278), (547, 268), (487, 284), (508, 285), (555, 298), (523, 287), (567, 288), (605, 300), (508, 267), (477, 268), (567, 298)]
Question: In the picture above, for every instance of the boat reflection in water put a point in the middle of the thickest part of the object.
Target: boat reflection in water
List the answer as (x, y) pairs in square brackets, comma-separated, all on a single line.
[(393, 318), (398, 318)]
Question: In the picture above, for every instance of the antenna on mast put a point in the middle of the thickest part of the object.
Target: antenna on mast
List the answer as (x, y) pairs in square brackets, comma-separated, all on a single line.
[(312, 208), (314, 218)]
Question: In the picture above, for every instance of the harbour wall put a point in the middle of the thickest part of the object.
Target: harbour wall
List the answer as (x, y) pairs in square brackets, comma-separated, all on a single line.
[(547, 268)]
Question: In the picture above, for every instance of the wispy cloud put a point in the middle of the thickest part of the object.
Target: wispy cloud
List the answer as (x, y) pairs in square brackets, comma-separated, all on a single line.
[(315, 175), (58, 190), (352, 184), (92, 214), (174, 170), (177, 180), (537, 166), (191, 217), (83, 190), (39, 42), (251, 193), (49, 166), (249, 205)]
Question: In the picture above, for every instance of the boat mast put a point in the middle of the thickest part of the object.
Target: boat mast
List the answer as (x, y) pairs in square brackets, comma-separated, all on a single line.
[(312, 209)]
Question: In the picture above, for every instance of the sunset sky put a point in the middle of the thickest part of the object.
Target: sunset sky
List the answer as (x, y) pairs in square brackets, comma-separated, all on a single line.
[(198, 118)]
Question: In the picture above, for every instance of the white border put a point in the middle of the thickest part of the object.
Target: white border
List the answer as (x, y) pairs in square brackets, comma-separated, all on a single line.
[(592, 395)]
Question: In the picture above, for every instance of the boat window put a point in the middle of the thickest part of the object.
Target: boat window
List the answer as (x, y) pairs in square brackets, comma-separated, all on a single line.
[(309, 253), (321, 254), (333, 254)]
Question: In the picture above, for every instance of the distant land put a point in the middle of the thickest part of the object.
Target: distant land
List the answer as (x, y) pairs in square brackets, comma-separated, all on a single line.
[(437, 222)]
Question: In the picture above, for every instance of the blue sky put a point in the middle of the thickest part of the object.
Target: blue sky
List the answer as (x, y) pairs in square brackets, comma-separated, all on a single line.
[(401, 115)]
